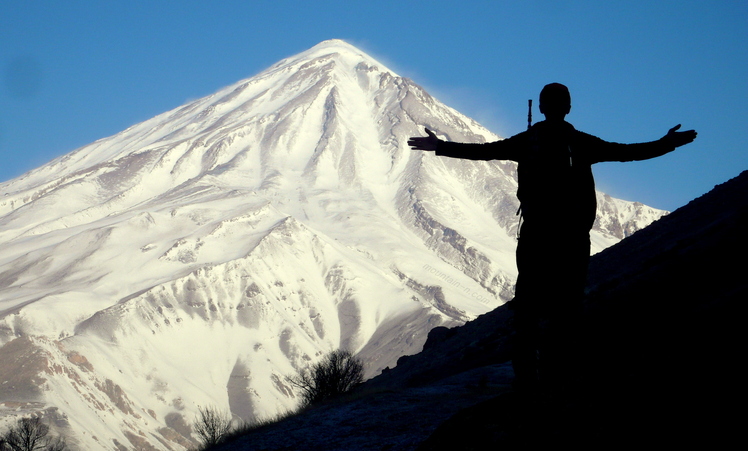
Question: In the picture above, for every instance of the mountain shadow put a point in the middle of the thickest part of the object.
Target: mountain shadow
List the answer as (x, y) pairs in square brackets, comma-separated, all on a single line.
[(657, 365)]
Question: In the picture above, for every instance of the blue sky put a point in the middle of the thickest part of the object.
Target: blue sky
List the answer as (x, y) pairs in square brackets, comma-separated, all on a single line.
[(73, 72)]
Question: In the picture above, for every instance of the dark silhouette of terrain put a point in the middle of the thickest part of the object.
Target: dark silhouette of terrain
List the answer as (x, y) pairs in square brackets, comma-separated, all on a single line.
[(661, 349)]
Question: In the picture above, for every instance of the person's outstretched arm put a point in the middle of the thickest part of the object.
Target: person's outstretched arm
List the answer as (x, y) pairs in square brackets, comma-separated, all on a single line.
[(497, 150), (642, 151), (427, 143), (676, 139)]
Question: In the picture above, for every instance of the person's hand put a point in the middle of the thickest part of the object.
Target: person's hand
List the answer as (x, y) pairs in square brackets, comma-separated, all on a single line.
[(677, 139), (424, 142)]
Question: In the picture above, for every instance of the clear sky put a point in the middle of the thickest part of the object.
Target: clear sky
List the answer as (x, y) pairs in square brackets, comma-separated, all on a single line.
[(73, 72)]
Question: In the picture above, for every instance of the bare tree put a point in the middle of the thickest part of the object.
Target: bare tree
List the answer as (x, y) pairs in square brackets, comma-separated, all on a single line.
[(212, 426), (30, 434), (334, 375)]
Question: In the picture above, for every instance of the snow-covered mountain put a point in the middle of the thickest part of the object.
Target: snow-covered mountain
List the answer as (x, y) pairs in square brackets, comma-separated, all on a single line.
[(199, 257)]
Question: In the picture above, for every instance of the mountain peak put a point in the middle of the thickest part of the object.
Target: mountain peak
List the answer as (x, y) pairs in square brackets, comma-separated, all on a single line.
[(335, 46), (335, 43), (284, 216), (343, 52)]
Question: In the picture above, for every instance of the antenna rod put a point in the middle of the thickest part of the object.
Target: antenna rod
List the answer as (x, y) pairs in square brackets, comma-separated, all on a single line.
[(529, 113)]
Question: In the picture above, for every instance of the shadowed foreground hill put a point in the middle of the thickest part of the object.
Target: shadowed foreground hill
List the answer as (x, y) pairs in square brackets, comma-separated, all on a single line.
[(660, 358)]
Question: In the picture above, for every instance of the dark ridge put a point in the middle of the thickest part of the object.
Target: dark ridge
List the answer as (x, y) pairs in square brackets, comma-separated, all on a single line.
[(658, 364)]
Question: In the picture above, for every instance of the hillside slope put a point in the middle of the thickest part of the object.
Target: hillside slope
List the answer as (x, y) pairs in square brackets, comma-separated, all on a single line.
[(661, 370)]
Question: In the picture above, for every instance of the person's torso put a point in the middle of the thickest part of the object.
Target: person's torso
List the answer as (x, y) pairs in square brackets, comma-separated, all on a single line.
[(555, 180)]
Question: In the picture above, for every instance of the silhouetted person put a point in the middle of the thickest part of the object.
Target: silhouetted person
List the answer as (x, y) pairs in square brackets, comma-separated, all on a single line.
[(558, 204)]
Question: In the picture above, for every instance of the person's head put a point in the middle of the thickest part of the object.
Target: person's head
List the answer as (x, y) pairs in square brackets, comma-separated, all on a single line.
[(555, 101)]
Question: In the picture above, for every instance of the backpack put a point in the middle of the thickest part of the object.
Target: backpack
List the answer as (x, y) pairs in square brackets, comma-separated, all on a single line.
[(555, 181)]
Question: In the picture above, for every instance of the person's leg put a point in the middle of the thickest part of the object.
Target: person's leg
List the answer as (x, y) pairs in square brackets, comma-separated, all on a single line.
[(525, 346), (558, 342)]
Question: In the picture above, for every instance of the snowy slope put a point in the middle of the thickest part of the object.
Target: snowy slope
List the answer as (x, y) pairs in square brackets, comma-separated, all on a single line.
[(200, 256)]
